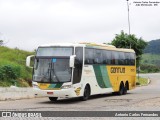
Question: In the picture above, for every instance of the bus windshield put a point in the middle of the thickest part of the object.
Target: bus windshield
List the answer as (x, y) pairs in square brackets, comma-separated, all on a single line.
[(52, 70), (52, 64)]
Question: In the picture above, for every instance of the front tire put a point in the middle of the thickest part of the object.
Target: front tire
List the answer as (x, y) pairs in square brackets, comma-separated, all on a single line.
[(53, 99), (86, 93)]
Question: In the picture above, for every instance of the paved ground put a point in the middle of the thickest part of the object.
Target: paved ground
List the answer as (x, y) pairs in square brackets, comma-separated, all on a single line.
[(145, 98)]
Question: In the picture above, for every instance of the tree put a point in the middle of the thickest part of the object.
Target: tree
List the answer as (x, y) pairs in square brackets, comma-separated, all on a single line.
[(123, 40), (1, 42)]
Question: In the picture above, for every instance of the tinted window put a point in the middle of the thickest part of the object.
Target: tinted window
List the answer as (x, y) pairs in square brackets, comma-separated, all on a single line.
[(127, 58), (132, 56), (98, 59), (79, 54), (106, 57), (97, 56), (121, 60), (115, 57), (78, 65), (89, 56)]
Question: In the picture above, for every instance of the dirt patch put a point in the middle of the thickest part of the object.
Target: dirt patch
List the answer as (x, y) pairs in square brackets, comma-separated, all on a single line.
[(149, 102), (118, 100)]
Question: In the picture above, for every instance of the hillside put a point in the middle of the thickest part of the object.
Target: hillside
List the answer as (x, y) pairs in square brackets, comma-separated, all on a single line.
[(153, 47), (12, 67), (150, 63)]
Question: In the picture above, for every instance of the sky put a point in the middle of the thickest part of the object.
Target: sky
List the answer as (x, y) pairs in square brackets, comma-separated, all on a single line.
[(26, 24)]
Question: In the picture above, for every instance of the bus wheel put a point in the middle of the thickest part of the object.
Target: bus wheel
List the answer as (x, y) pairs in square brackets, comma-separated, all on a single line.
[(121, 89), (125, 90), (86, 93), (53, 98)]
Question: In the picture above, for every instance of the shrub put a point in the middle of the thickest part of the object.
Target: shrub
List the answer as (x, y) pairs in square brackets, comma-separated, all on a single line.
[(8, 72), (149, 68)]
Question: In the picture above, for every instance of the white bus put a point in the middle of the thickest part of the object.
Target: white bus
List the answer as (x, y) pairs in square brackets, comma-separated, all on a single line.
[(80, 70)]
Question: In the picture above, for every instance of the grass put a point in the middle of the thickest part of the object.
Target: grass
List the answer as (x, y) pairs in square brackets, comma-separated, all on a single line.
[(19, 83), (151, 59), (16, 58), (150, 63), (141, 81)]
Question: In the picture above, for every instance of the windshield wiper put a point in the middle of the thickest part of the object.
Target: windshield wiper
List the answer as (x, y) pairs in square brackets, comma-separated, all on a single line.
[(45, 76), (52, 72)]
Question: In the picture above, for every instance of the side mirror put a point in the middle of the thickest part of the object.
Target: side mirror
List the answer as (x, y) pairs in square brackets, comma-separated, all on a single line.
[(28, 61), (71, 61)]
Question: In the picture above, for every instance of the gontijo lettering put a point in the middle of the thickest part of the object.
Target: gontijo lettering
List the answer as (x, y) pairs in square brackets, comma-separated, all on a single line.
[(117, 69)]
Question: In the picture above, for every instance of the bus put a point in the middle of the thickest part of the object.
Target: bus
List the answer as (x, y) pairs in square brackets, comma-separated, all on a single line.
[(81, 70)]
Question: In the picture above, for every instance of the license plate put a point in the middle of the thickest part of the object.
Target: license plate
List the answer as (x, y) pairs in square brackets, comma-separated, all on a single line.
[(50, 93)]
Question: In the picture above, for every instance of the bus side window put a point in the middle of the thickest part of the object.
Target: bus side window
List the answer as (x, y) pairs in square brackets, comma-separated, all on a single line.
[(79, 55), (112, 58), (107, 57), (121, 60), (86, 56), (78, 65), (89, 56), (127, 58), (98, 57), (104, 53), (115, 57), (132, 56)]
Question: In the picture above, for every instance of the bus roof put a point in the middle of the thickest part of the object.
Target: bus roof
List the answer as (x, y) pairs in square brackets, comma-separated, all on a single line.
[(89, 45), (62, 44), (107, 47)]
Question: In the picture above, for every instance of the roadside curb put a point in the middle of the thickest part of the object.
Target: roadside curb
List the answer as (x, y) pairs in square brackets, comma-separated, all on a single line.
[(149, 81), (16, 93)]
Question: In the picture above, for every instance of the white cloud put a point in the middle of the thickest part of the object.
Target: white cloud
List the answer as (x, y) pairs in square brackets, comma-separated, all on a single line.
[(29, 23)]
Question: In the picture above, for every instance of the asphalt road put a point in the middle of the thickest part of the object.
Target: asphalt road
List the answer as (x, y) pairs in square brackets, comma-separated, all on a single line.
[(141, 98)]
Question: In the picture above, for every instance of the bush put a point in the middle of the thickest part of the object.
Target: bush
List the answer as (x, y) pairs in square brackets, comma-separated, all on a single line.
[(8, 72), (149, 68), (13, 68)]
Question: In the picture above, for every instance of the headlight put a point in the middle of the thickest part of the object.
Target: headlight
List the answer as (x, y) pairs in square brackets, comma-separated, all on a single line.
[(35, 86), (66, 86)]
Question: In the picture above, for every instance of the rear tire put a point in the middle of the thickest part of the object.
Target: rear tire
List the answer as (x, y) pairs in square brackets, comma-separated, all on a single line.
[(121, 89), (86, 93), (125, 90), (53, 99)]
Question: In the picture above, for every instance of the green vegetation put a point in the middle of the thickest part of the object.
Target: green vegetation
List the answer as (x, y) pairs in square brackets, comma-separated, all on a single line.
[(151, 59), (150, 63), (12, 67), (153, 47), (141, 81), (149, 69), (123, 40)]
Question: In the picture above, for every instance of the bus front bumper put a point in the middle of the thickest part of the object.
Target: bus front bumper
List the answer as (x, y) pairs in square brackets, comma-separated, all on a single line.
[(64, 93)]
